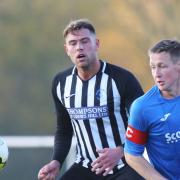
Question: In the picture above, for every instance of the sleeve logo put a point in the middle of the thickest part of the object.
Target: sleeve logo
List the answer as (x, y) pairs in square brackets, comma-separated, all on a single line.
[(129, 132), (136, 136)]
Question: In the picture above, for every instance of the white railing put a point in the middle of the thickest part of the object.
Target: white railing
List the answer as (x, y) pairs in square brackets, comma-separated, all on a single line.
[(36, 142), (29, 141)]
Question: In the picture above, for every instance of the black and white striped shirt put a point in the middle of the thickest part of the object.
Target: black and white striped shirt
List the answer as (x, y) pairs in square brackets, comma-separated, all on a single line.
[(94, 110)]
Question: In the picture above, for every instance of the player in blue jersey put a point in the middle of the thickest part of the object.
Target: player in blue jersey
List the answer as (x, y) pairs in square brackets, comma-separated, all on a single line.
[(154, 121)]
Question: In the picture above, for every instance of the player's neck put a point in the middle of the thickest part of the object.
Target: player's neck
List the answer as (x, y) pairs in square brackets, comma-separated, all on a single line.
[(171, 94), (88, 73)]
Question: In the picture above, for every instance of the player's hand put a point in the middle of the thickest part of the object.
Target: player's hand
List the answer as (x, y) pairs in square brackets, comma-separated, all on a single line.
[(49, 171), (108, 158)]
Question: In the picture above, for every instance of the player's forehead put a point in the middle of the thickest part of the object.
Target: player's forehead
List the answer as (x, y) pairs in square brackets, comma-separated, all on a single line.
[(163, 57), (79, 34)]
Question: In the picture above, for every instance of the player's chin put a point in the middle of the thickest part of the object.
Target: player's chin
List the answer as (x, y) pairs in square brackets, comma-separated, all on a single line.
[(160, 87)]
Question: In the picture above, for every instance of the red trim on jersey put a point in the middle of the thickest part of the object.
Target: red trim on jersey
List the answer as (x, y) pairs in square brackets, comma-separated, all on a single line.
[(136, 136)]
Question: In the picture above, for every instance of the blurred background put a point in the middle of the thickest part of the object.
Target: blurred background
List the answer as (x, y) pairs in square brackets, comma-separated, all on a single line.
[(32, 52)]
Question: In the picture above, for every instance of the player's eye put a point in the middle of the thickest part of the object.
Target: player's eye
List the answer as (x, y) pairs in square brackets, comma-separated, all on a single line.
[(162, 66), (85, 40), (152, 67), (72, 43)]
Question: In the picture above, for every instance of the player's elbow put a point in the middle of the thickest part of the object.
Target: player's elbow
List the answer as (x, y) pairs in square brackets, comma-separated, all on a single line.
[(129, 158)]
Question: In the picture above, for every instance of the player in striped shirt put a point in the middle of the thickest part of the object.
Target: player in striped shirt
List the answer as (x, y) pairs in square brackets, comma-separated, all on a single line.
[(92, 100)]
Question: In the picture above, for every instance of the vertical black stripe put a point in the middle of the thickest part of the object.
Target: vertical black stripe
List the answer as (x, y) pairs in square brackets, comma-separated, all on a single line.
[(62, 87), (84, 104), (72, 104), (84, 94), (114, 125), (99, 121), (78, 143), (88, 128), (73, 88), (85, 146), (72, 101), (124, 113)]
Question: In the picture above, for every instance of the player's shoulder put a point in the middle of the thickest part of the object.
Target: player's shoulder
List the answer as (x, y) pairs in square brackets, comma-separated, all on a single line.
[(61, 76), (119, 73), (148, 97), (116, 69)]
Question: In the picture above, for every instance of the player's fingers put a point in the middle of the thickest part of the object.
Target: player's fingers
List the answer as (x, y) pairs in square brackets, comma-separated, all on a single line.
[(107, 171), (99, 160), (96, 166), (99, 170), (104, 168), (50, 176), (95, 163), (47, 177), (41, 175)]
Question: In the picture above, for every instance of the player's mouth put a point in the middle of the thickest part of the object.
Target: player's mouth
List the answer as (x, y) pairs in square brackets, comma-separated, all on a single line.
[(160, 83), (80, 56)]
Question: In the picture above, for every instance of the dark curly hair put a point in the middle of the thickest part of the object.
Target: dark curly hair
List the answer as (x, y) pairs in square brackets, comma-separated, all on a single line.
[(77, 25)]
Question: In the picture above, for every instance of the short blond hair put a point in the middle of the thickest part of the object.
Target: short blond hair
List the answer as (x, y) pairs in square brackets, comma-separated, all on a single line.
[(169, 46)]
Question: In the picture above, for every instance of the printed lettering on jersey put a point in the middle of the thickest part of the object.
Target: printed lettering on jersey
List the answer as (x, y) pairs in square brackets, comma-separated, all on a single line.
[(172, 137), (88, 112), (136, 136)]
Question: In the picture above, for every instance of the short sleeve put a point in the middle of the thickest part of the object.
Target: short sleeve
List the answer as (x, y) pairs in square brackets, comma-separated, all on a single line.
[(137, 131)]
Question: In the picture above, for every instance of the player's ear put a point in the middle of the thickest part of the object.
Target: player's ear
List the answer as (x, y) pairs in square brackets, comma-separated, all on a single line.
[(178, 65), (97, 43), (66, 49)]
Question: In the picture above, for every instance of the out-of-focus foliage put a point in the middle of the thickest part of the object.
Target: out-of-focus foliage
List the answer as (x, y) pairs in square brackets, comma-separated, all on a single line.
[(32, 52)]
